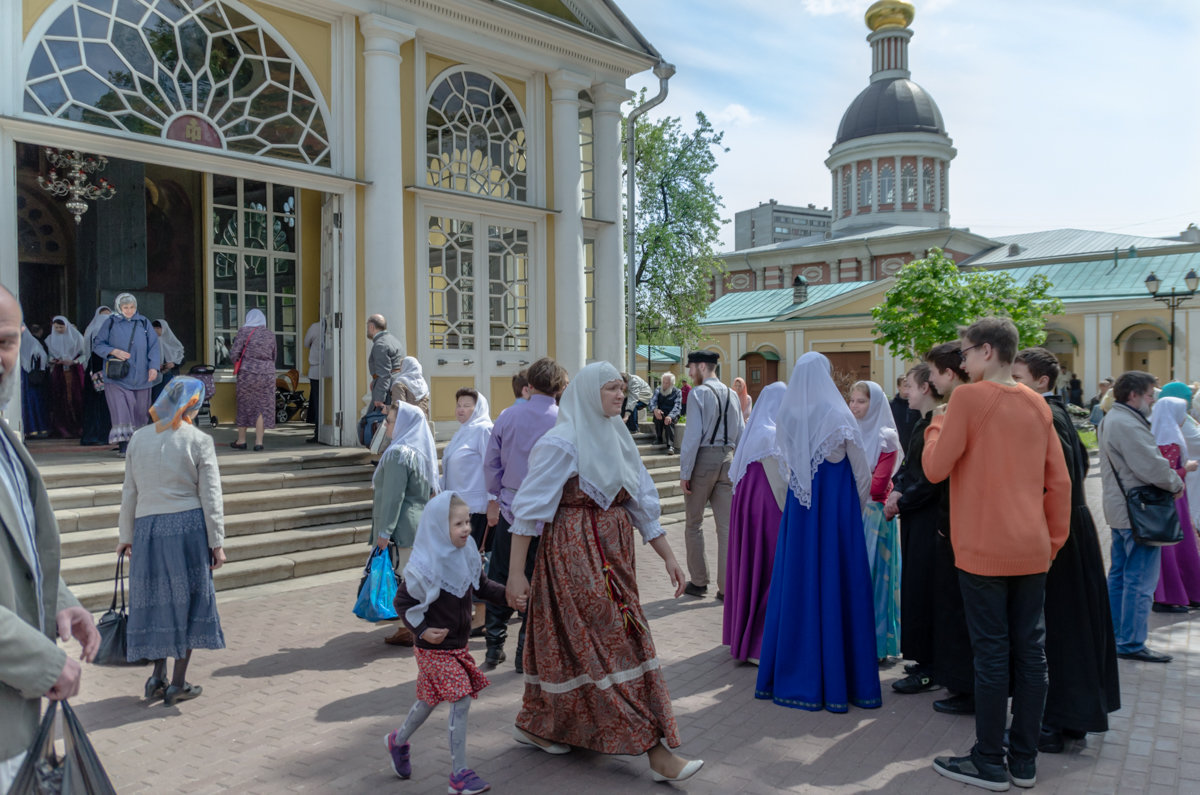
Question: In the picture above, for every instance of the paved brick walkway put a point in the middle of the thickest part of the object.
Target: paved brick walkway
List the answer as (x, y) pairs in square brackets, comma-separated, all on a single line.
[(303, 696)]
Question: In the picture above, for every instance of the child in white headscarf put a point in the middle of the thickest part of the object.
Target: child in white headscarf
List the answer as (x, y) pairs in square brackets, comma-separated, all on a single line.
[(443, 574)]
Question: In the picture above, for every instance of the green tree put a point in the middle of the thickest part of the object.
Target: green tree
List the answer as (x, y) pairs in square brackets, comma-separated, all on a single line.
[(677, 226), (932, 297)]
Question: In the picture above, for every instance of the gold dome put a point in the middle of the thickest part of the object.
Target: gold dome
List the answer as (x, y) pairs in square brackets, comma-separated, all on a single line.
[(889, 14)]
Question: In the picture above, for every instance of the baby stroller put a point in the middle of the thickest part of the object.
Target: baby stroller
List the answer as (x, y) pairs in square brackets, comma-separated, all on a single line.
[(289, 399), (204, 372)]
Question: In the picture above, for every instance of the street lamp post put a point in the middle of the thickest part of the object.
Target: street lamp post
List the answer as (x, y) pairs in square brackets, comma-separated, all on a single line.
[(1191, 280)]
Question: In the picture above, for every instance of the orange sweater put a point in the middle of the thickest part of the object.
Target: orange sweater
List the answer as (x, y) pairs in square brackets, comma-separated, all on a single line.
[(1010, 494)]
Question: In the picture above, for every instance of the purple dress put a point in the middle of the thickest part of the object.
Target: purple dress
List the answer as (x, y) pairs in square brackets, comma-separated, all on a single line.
[(1179, 576), (753, 530), (256, 378)]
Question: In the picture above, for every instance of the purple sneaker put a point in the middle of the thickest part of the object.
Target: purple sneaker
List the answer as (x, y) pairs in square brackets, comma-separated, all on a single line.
[(400, 762), (465, 782)]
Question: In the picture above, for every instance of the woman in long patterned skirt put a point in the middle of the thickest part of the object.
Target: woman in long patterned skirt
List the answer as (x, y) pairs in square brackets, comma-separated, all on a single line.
[(592, 676), (254, 348)]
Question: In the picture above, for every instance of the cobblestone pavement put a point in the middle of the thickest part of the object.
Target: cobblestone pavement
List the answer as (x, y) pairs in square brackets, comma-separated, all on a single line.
[(302, 698)]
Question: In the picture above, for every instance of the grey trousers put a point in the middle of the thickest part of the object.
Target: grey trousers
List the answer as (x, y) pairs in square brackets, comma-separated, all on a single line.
[(710, 486)]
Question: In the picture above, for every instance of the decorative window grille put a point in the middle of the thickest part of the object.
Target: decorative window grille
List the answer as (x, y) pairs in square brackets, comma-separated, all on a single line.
[(589, 294), (942, 198), (846, 190), (451, 284), (254, 263), (887, 185), (908, 184), (475, 138), (191, 70), (508, 288)]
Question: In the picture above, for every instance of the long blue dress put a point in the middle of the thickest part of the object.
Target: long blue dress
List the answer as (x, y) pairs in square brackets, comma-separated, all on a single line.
[(818, 649)]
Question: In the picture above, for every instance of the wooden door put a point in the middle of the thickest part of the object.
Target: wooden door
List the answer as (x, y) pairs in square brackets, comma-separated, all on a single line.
[(848, 367), (759, 372)]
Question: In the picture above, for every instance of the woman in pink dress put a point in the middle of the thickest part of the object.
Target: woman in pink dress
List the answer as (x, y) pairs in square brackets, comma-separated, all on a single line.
[(760, 482), (1179, 575)]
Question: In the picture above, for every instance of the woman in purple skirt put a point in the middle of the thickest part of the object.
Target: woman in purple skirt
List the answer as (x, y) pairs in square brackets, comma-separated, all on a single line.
[(254, 349), (760, 482)]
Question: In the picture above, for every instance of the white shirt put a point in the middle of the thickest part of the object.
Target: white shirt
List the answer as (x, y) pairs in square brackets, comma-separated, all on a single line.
[(551, 463), (314, 340), (462, 473)]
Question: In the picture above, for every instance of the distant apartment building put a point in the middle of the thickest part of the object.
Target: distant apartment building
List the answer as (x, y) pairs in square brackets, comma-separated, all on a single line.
[(772, 222)]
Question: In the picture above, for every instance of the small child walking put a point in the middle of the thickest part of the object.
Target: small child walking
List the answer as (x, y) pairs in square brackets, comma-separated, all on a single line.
[(443, 575)]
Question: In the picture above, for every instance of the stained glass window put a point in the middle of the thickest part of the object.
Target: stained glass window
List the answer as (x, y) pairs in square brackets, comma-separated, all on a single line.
[(475, 138), (146, 66)]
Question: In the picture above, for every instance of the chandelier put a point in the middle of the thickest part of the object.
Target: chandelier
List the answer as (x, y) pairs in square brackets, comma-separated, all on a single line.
[(77, 168)]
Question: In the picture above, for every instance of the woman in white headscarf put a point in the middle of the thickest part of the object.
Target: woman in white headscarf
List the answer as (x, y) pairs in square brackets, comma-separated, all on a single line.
[(34, 378), (404, 480), (1179, 571), (409, 385), (760, 482), (592, 676), (97, 423), (65, 346), (881, 441), (172, 355), (818, 649), (462, 460), (253, 355)]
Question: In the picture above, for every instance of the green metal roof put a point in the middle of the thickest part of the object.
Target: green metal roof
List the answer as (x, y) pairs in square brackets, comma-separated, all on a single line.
[(661, 353), (1099, 279), (758, 305)]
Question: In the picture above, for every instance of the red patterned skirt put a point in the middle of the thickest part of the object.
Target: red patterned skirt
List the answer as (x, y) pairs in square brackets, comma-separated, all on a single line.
[(447, 675), (592, 678)]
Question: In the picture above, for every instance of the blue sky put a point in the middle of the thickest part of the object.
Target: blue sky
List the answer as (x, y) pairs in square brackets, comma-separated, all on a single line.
[(1064, 113)]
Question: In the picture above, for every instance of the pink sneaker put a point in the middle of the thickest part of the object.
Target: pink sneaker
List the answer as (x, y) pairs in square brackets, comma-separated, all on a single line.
[(400, 762), (465, 782)]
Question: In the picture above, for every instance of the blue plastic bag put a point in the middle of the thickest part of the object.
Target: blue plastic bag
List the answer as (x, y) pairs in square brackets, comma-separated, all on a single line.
[(378, 591)]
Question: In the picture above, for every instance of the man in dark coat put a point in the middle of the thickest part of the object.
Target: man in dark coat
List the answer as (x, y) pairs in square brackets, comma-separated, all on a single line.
[(905, 417), (1081, 651)]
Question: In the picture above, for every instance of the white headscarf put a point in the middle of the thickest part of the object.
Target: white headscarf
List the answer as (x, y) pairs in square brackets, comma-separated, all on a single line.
[(31, 349), (412, 377), (477, 428), (758, 440), (608, 459), (878, 428), (1166, 421), (435, 564), (93, 328), (255, 318), (411, 432), (122, 299), (813, 421), (169, 344), (68, 345)]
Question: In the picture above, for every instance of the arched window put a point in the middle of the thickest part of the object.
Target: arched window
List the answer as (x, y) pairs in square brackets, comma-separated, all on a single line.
[(201, 73), (846, 208), (887, 185), (908, 184), (475, 138), (927, 192), (864, 186)]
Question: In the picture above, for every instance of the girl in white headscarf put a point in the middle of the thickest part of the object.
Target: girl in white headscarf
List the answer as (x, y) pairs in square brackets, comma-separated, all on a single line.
[(760, 483), (462, 460), (818, 649), (1179, 571), (34, 362), (404, 480), (65, 346), (441, 579), (881, 442), (588, 650)]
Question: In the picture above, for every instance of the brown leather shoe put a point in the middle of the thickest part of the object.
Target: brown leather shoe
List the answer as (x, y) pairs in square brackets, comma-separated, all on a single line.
[(403, 637)]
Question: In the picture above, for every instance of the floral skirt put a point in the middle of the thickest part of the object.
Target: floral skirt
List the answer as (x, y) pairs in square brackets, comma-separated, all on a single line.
[(447, 675)]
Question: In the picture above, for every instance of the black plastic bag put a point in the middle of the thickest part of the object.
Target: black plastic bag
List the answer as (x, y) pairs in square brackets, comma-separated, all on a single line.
[(78, 772)]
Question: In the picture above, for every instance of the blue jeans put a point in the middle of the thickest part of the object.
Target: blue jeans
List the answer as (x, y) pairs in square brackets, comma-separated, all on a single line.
[(1131, 582)]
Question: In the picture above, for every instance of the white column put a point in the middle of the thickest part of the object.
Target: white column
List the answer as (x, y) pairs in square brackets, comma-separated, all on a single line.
[(937, 185), (1181, 347), (1188, 369), (1091, 355), (874, 184), (383, 214), (608, 279), (737, 347), (897, 198), (854, 188), (946, 187), (1107, 353), (920, 183), (837, 212), (570, 345)]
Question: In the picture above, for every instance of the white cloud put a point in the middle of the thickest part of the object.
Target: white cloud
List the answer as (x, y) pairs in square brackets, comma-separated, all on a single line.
[(734, 114)]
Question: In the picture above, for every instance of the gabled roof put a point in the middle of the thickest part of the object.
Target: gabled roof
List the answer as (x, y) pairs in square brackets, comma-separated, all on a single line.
[(672, 354), (820, 239), (1053, 243), (598, 17), (759, 305)]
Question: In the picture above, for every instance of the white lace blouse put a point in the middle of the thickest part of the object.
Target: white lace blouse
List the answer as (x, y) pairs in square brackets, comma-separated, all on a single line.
[(552, 462)]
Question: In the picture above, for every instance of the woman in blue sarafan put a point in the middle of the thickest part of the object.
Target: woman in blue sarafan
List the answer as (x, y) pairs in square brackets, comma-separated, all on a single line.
[(818, 648)]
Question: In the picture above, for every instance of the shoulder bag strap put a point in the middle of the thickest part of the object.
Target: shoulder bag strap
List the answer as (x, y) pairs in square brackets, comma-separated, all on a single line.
[(1115, 475)]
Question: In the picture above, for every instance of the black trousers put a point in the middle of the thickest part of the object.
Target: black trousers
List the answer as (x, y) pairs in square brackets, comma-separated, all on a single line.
[(664, 433), (496, 628), (314, 406), (1004, 617)]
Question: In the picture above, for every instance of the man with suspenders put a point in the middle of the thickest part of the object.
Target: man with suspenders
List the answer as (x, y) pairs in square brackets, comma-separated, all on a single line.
[(714, 425)]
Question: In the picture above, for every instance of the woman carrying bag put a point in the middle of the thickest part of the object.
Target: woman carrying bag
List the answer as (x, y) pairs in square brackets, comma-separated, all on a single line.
[(130, 349)]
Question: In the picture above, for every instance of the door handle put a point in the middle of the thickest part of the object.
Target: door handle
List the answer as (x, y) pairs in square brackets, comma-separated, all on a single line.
[(463, 361), (519, 363)]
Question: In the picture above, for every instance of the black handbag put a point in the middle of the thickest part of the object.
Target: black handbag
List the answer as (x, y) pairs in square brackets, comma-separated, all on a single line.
[(77, 772), (1152, 514), (112, 625), (115, 369)]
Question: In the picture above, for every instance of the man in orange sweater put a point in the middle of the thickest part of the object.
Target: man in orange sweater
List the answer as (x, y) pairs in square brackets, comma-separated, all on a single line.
[(1010, 505)]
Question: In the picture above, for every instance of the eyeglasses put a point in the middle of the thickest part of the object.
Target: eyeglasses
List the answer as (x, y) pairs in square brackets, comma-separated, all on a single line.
[(963, 352)]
